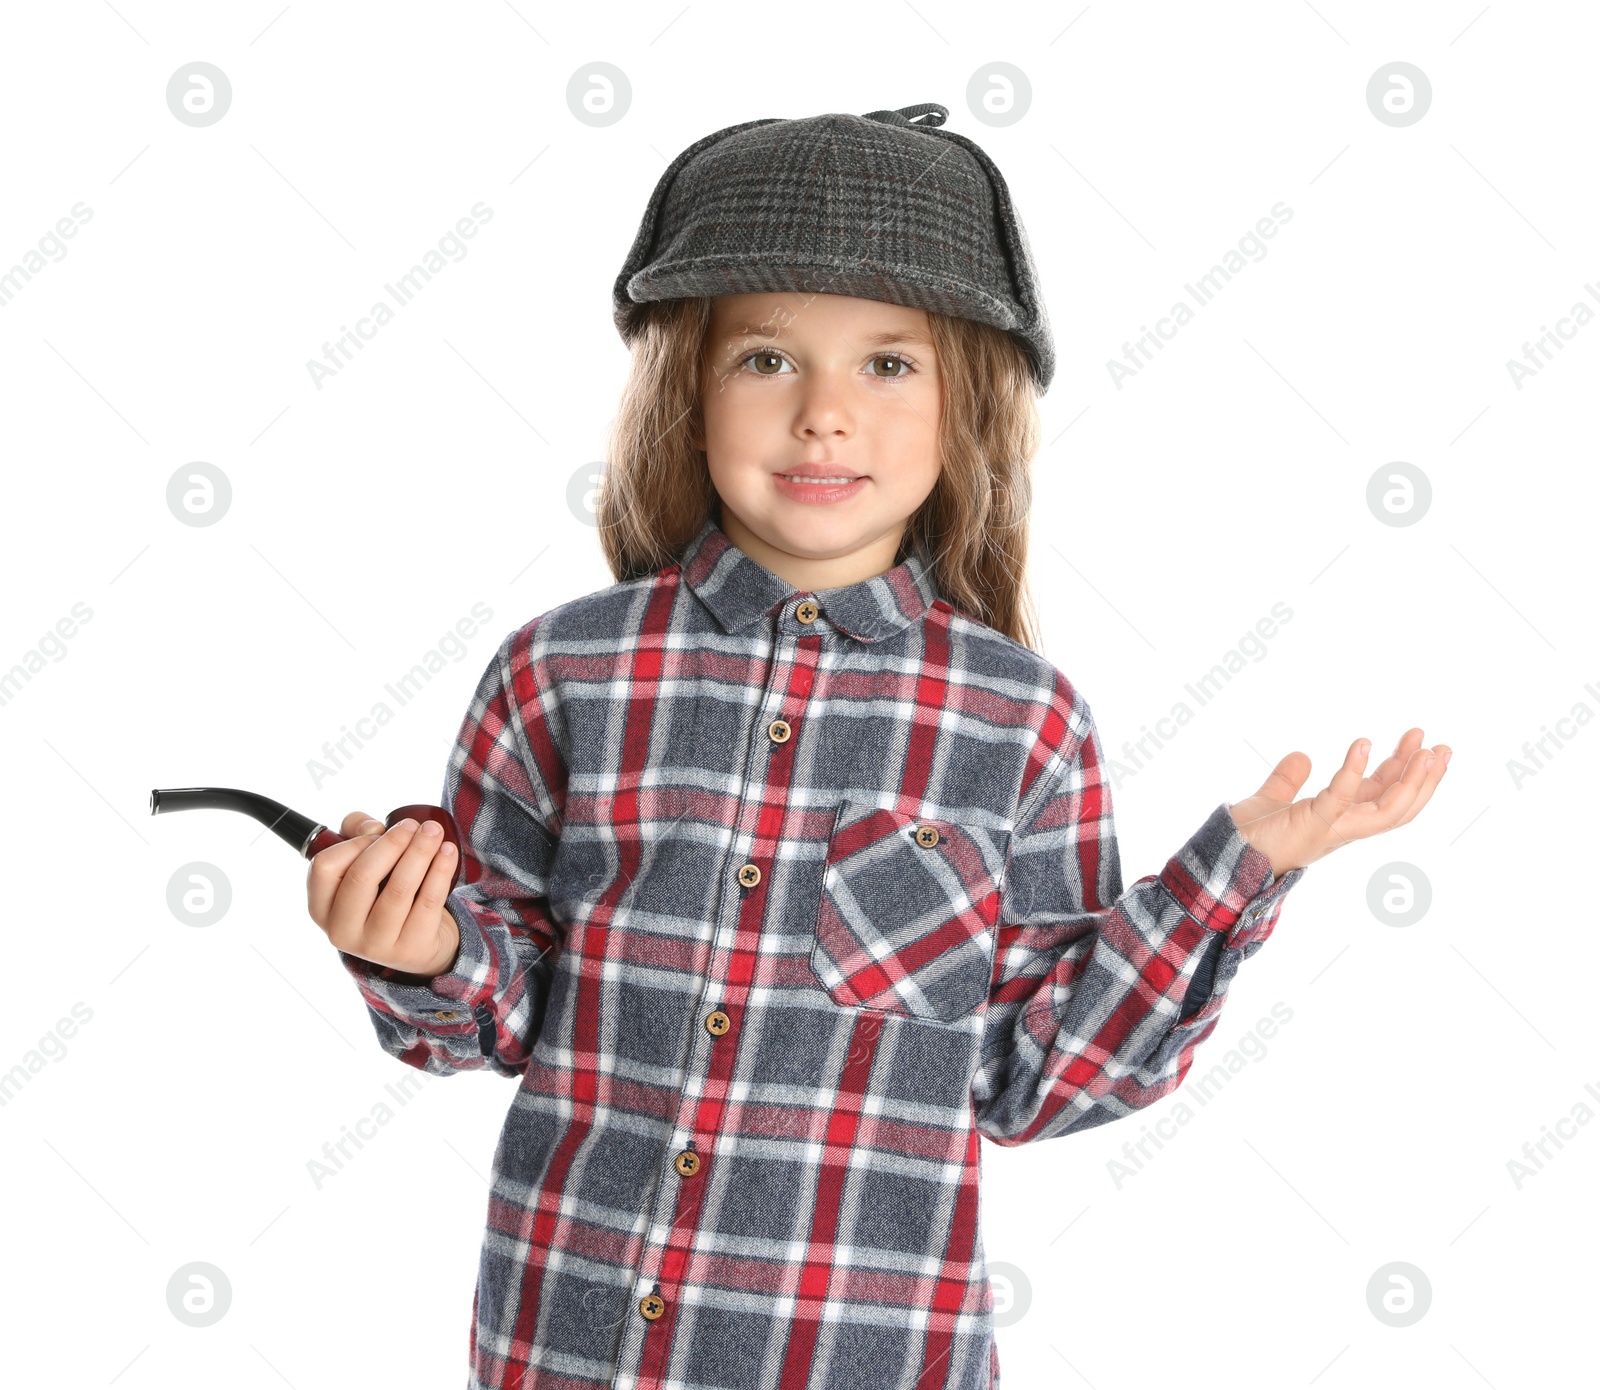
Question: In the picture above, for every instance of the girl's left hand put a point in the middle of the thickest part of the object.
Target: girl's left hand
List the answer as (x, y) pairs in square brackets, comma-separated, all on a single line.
[(1293, 833)]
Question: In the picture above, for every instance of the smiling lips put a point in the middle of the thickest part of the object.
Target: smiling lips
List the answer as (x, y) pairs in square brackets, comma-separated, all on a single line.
[(811, 484), (820, 473)]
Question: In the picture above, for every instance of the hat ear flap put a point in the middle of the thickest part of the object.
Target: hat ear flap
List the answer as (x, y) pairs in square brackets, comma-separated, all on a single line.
[(1033, 333)]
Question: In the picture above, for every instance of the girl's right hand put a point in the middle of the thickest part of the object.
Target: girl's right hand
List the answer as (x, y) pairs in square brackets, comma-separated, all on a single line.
[(405, 926)]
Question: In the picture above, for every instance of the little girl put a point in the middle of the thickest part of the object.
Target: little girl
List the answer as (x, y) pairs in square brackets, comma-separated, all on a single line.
[(790, 866)]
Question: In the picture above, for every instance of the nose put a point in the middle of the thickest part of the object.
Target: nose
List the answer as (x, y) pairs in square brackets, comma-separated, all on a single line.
[(825, 407)]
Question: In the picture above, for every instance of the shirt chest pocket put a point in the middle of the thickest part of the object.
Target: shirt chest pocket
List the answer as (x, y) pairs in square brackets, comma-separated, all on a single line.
[(906, 921)]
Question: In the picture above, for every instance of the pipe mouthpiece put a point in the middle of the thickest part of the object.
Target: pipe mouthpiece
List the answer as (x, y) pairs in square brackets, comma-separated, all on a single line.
[(289, 826)]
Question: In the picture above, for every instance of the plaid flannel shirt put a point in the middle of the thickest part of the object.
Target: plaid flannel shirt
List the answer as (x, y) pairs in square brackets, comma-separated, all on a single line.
[(774, 902)]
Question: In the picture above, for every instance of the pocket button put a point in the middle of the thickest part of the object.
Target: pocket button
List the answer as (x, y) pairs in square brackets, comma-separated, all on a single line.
[(927, 836)]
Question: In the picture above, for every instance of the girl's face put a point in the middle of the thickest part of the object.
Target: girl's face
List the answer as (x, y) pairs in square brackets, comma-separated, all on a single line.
[(826, 385)]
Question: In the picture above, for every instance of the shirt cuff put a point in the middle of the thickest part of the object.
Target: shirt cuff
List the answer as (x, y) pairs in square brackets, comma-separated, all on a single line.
[(446, 1002), (1225, 883)]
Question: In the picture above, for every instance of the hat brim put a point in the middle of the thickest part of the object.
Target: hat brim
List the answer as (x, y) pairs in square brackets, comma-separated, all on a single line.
[(908, 286)]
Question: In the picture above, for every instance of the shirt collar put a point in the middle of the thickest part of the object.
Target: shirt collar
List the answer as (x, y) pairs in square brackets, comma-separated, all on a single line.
[(738, 589)]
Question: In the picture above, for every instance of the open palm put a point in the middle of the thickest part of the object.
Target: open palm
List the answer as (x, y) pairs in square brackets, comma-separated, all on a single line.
[(1351, 807)]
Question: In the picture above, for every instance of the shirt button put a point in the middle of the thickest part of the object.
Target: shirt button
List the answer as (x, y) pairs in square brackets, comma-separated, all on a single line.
[(687, 1163), (652, 1306), (778, 731), (927, 836), (806, 611), (718, 1023), (749, 875), (445, 1014)]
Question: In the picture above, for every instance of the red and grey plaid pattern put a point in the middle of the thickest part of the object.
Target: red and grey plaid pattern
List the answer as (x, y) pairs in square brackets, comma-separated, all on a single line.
[(773, 903)]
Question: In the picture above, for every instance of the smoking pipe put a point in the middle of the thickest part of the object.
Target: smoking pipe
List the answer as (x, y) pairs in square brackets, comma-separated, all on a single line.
[(309, 837)]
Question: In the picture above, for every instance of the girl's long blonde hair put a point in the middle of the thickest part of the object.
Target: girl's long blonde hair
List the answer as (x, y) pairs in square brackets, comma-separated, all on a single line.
[(656, 491)]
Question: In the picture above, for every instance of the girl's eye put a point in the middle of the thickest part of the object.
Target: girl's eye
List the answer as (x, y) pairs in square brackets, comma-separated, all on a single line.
[(765, 356), (770, 362), (898, 360)]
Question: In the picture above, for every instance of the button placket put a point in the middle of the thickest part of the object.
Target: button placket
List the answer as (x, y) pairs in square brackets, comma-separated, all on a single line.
[(770, 734)]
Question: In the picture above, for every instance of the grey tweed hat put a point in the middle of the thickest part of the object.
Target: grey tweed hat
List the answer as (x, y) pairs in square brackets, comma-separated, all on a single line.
[(881, 206)]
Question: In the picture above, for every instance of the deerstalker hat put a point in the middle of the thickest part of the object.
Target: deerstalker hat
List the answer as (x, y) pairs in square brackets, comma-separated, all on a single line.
[(880, 206)]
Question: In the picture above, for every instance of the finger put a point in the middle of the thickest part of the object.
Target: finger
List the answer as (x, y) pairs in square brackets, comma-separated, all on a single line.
[(1346, 782), (1275, 793), (386, 922), (1388, 772), (329, 867), (359, 823), (1430, 781), (1331, 803), (421, 929), (1286, 779), (1397, 800), (357, 892)]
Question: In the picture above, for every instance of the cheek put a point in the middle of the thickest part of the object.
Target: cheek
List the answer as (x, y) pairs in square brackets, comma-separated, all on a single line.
[(719, 423), (741, 421), (736, 441), (914, 425), (914, 444)]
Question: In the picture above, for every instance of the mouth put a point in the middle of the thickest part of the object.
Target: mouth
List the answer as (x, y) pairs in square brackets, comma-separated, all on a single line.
[(833, 475), (820, 488)]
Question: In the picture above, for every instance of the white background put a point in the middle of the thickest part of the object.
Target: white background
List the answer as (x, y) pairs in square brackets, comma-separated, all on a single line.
[(433, 472)]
